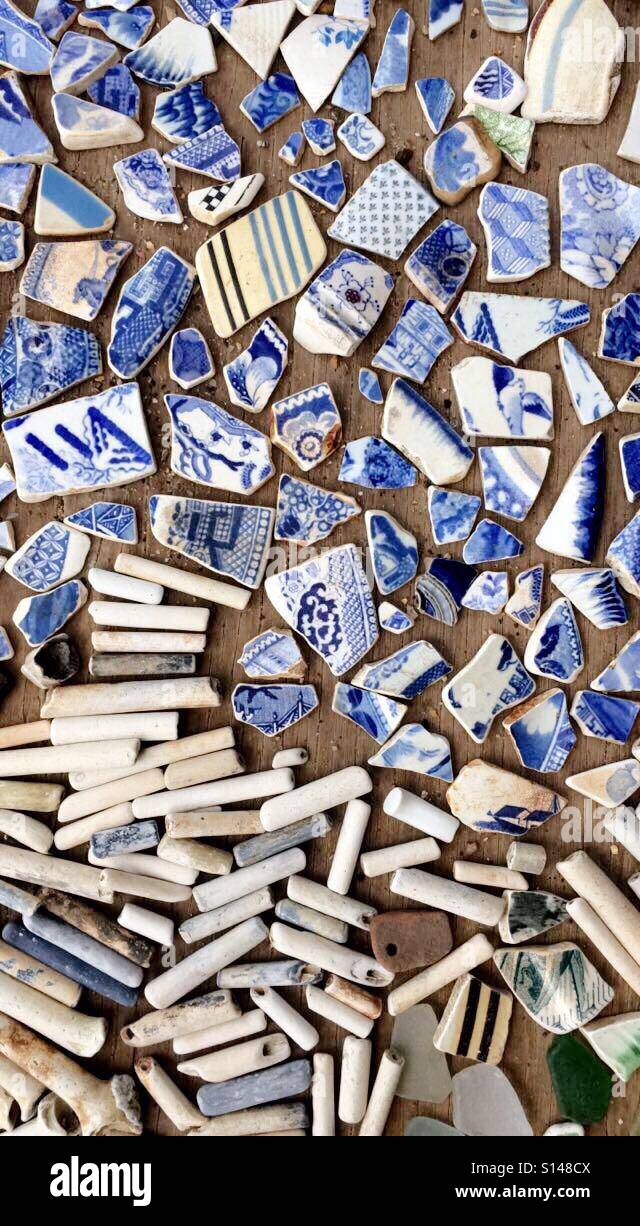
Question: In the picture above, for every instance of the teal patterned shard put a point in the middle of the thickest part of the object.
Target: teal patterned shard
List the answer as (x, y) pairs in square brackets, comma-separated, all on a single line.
[(113, 520), (556, 984), (529, 913)]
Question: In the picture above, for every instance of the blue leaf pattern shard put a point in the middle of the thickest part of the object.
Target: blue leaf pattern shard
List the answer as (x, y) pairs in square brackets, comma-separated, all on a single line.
[(255, 373), (271, 709), (186, 112)]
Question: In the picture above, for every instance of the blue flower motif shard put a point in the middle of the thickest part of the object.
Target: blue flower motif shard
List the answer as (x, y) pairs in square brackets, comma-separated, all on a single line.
[(599, 223), (373, 464), (621, 331), (307, 513)]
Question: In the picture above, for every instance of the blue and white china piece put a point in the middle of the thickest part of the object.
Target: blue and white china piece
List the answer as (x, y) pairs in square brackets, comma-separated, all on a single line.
[(253, 376), (21, 137), (512, 325), (213, 205), (512, 16), (327, 601), (7, 537), (608, 785), (307, 425), (503, 401), (211, 447), (272, 708), (492, 682), (190, 361), (79, 60), (360, 137), (39, 617), (39, 362), (555, 648), (272, 653), (65, 208), (23, 45), (54, 17), (307, 513), (571, 529), (459, 159), (353, 91), (589, 397), (319, 135), (439, 591), (85, 125), (629, 402), (392, 72), (488, 798), (183, 113), (374, 465), (622, 674), (595, 593), (623, 556), (270, 101), (620, 335), (112, 520), (179, 53), (255, 31), (405, 674), (414, 748), (7, 482), (74, 278), (213, 154), (86, 444), (415, 343), (393, 619), (442, 15), (496, 86), (349, 10), (146, 187), (412, 425), (16, 182), (341, 306), (393, 551), (150, 305), (556, 984), (629, 447), (488, 593), (516, 226), (228, 538), (6, 649), (52, 555), (317, 52), (11, 245), (441, 264), (512, 478), (292, 150), (129, 29), (603, 716), (628, 148), (121, 6), (576, 88), (375, 714), (436, 97), (452, 514), (325, 184), (599, 223), (541, 732), (385, 213), (118, 91), (369, 386)]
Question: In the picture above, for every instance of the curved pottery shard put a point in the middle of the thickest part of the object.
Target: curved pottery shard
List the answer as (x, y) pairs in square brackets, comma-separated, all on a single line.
[(566, 81), (556, 984), (485, 797)]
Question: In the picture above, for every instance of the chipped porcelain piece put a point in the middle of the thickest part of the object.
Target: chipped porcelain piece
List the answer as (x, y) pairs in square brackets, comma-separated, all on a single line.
[(65, 207), (292, 150), (242, 275), (272, 653), (608, 785), (228, 538), (21, 137), (441, 264), (360, 137), (373, 464), (7, 537), (39, 362), (603, 717), (150, 305), (512, 478), (385, 213), (415, 343), (317, 52), (79, 60), (393, 551), (307, 425), (503, 401), (375, 714), (488, 593), (255, 31), (74, 278), (146, 187), (354, 10), (629, 402), (307, 513), (6, 650), (541, 732), (414, 748), (112, 520), (442, 15), (324, 184), (180, 52), (512, 16), (599, 223), (529, 913), (392, 72), (629, 448), (319, 135), (271, 709), (213, 154), (405, 674), (353, 91), (439, 591), (487, 798), (11, 245), (516, 226), (90, 443), (84, 125), (556, 984), (16, 181), (190, 361), (595, 593), (492, 682), (393, 619), (511, 325), (121, 6), (555, 648), (459, 159), (496, 86), (332, 585), (254, 374), (54, 17), (212, 448), (412, 425), (184, 113), (512, 134), (51, 555), (270, 101), (623, 556), (630, 146), (617, 1041), (342, 305), (369, 386), (572, 526), (214, 205), (589, 398), (129, 29), (452, 514), (525, 604), (23, 45), (490, 542), (436, 97), (475, 1023), (117, 90), (567, 82), (39, 617), (484, 1101), (623, 672), (201, 11), (7, 482)]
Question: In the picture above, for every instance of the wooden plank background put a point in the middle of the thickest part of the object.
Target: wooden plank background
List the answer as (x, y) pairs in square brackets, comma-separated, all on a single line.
[(332, 741)]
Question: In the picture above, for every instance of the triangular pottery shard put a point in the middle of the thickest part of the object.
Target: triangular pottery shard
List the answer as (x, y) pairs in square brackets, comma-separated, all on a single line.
[(572, 62), (556, 984), (485, 797)]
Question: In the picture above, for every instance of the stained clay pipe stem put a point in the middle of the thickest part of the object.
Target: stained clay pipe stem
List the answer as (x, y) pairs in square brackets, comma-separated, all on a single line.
[(76, 1032)]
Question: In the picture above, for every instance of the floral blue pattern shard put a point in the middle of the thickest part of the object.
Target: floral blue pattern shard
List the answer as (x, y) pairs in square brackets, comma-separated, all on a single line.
[(78, 60), (307, 425), (416, 342), (573, 524), (595, 593), (394, 551), (113, 520), (74, 277), (369, 386), (452, 514), (327, 600), (353, 91), (490, 542), (376, 714), (590, 399), (342, 305), (16, 181), (630, 464), (274, 653), (623, 673), (39, 617), (436, 97), (405, 674), (494, 680), (385, 213), (319, 134), (117, 90), (516, 226), (628, 402), (512, 325), (620, 338), (360, 137), (213, 448), (129, 29), (291, 151), (252, 377), (21, 138), (512, 478), (604, 717), (11, 245), (270, 101), (189, 358), (54, 554), (151, 304), (229, 538), (414, 748), (54, 17), (213, 154), (184, 113), (392, 72), (524, 606), (541, 732), (41, 361), (393, 619), (441, 264), (599, 223), (443, 14), (555, 647), (307, 513), (23, 45), (323, 183), (146, 186), (488, 593), (271, 709), (440, 589), (373, 464)]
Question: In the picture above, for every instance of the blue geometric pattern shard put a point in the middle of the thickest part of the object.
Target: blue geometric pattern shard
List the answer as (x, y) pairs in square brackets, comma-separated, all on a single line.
[(45, 562), (150, 305), (214, 154), (229, 538), (40, 361), (516, 223), (272, 708), (441, 264), (406, 673), (416, 342), (113, 520), (274, 653)]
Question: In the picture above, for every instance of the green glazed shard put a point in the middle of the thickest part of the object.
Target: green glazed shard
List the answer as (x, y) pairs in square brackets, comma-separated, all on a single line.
[(512, 134), (581, 1083), (617, 1042)]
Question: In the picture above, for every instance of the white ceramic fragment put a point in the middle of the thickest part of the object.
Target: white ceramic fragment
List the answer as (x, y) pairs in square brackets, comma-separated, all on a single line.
[(567, 82)]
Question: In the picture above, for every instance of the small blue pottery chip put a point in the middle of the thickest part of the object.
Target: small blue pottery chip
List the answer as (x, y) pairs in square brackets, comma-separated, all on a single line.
[(541, 732), (603, 716), (373, 464), (39, 617), (452, 514), (375, 714), (272, 708)]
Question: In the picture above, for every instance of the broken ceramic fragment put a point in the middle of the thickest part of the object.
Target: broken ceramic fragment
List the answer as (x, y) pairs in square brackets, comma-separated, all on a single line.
[(393, 619), (228, 538), (604, 717), (270, 101), (393, 551), (307, 425), (79, 60), (512, 478), (485, 797), (213, 205), (85, 125), (360, 137), (589, 398), (608, 785), (373, 464), (271, 709), (404, 940), (292, 150), (623, 556), (595, 593), (572, 526), (541, 732), (392, 72), (581, 1083), (307, 513), (375, 714), (617, 1041), (23, 45), (492, 682), (21, 137), (496, 86), (441, 264), (39, 617), (385, 213), (65, 207), (353, 91), (503, 401), (623, 672), (146, 187), (525, 604), (416, 342), (272, 653), (406, 673), (599, 223), (342, 305), (512, 16), (629, 448), (16, 181), (512, 134), (369, 386), (255, 31), (461, 158), (51, 555), (319, 135), (179, 53), (512, 325), (555, 648), (516, 227), (150, 305), (190, 361), (74, 278), (566, 81), (211, 447), (529, 913), (129, 29), (112, 520), (253, 375), (490, 542), (440, 589), (317, 52), (117, 90), (442, 15), (556, 984), (414, 748), (452, 514), (213, 154), (475, 1023), (488, 593), (54, 17), (436, 97), (412, 425), (325, 184), (11, 245), (183, 113)]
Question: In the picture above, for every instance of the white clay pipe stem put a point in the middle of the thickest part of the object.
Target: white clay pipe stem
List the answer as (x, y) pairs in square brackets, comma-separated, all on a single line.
[(59, 760), (288, 1019), (26, 830), (301, 916), (462, 959), (323, 1105), (527, 857), (157, 928), (609, 903), (382, 1094), (350, 839), (98, 925), (141, 865), (493, 875), (96, 800), (351, 994), (445, 895), (222, 792), (211, 766), (202, 856), (337, 959), (216, 893), (254, 1021), (212, 823), (184, 581), (193, 620), (609, 946), (121, 697), (421, 814), (52, 1119), (240, 1060), (145, 641), (145, 726), (21, 1086), (25, 734), (19, 965), (335, 1011), (137, 886), (34, 797), (124, 587), (212, 1011), (193, 970), (54, 872), (623, 825), (158, 755), (167, 1095), (74, 1031), (355, 1070), (17, 899), (289, 757), (74, 834), (210, 923), (402, 855), (315, 797), (9, 1112), (320, 898), (256, 1121)]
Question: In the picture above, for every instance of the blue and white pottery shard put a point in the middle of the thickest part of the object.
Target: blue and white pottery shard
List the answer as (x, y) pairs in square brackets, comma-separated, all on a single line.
[(441, 264), (180, 52), (393, 551), (373, 464), (629, 402), (353, 91), (229, 538), (213, 154), (7, 537), (392, 72), (273, 653), (555, 648), (307, 425), (6, 649), (113, 520), (620, 336), (589, 398), (307, 513), (573, 524), (512, 16), (122, 6), (327, 600), (16, 181), (319, 135), (485, 797), (117, 90), (511, 325), (443, 14), (325, 184), (595, 593), (146, 187), (7, 482), (21, 137), (623, 556), (415, 343), (255, 32), (599, 223), (436, 97), (630, 464), (84, 444), (405, 674), (461, 158), (496, 86), (291, 151), (556, 984), (623, 672), (253, 376), (492, 682), (452, 514), (503, 401), (190, 361), (39, 617), (608, 785), (74, 278), (54, 17), (490, 542), (23, 45), (541, 732), (79, 60), (439, 591), (512, 478), (185, 112), (270, 101), (488, 593), (271, 709), (516, 227), (349, 10), (41, 361), (604, 717), (393, 619), (201, 11), (129, 29), (150, 305), (65, 208), (341, 306), (412, 425), (11, 245), (211, 447), (317, 52), (369, 386), (375, 714), (414, 748), (385, 213), (85, 125), (361, 137), (53, 554)]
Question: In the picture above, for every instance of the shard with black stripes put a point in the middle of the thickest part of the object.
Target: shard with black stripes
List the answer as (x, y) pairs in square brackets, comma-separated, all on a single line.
[(475, 1023)]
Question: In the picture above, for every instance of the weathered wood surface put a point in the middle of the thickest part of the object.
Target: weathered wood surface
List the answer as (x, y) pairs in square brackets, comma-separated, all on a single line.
[(333, 742)]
